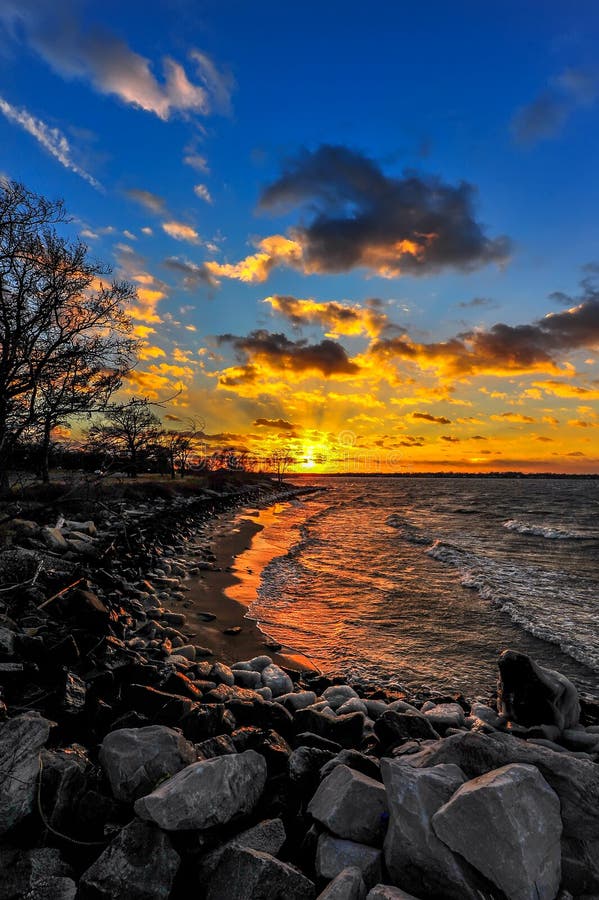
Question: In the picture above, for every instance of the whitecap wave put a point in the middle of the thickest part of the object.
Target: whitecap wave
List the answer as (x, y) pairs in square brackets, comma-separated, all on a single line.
[(551, 532)]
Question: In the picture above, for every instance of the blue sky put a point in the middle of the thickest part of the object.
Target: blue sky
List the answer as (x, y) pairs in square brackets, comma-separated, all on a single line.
[(176, 117)]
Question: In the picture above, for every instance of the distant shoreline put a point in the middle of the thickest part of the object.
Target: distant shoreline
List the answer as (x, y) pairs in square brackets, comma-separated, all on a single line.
[(553, 475)]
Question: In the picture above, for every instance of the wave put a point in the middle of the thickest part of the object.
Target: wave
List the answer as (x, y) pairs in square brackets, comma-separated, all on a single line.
[(407, 530), (551, 532)]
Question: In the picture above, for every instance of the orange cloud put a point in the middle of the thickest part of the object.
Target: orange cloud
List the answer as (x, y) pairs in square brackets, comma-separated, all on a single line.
[(337, 318), (272, 251), (181, 232)]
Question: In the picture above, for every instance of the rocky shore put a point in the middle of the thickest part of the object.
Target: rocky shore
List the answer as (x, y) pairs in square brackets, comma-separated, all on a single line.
[(135, 764)]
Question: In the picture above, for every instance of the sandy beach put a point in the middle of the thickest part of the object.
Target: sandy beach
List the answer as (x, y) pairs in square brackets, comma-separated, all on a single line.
[(227, 592)]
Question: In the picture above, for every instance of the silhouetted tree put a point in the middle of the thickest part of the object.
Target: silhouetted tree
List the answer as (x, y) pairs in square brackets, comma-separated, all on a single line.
[(129, 430), (65, 338), (279, 462)]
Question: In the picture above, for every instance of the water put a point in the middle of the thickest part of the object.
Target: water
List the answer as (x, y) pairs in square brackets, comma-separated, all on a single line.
[(427, 579)]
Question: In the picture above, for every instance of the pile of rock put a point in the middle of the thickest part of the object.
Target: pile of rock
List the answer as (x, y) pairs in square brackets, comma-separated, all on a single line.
[(253, 782)]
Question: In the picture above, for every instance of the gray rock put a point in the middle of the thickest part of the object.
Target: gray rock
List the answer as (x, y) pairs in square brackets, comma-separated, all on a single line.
[(414, 855), (40, 873), (348, 885), (245, 874), (136, 759), (375, 708), (7, 643), (575, 781), (354, 704), (299, 700), (268, 837), (580, 740), (580, 866), (367, 765), (259, 663), (54, 539), (251, 680), (485, 713), (338, 694), (508, 816), (334, 854), (352, 806), (264, 692), (54, 887), (188, 651), (277, 680), (222, 674), (446, 715), (206, 793), (394, 727), (529, 694), (21, 740), (139, 864), (387, 892)]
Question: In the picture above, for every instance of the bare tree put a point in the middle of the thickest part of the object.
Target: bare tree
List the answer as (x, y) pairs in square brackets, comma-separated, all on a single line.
[(129, 430), (61, 327), (279, 462)]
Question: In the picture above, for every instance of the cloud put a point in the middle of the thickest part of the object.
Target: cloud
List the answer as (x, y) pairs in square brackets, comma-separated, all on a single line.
[(111, 66), (338, 318), (51, 139), (505, 349), (181, 232), (427, 417), (280, 424), (546, 115), (360, 217), (272, 251), (201, 191), (150, 201), (196, 161), (478, 303), (263, 351), (513, 417), (193, 274)]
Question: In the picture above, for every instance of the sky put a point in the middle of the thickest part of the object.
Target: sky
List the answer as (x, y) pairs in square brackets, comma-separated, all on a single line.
[(363, 234)]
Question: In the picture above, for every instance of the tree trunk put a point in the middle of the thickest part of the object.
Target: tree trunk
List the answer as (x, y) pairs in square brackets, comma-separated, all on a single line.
[(45, 451)]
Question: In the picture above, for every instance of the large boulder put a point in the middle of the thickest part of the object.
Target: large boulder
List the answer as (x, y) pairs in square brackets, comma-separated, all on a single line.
[(139, 864), (574, 780), (136, 759), (345, 730), (446, 715), (348, 885), (507, 825), (352, 806), (394, 727), (529, 694), (245, 874), (268, 837), (277, 680), (415, 857), (21, 740), (580, 866), (334, 854), (206, 793)]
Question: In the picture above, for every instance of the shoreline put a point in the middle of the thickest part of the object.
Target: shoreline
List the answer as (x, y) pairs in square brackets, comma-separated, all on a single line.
[(211, 593)]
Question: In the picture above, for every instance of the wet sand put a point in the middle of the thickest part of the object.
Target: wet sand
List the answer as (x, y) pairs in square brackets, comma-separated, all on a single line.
[(227, 596)]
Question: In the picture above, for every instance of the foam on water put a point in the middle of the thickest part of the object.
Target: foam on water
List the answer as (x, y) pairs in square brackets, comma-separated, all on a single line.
[(551, 532)]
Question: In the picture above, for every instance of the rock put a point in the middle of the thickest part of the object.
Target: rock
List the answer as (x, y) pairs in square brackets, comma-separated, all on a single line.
[(63, 784), (54, 539), (136, 759), (485, 714), (352, 806), (222, 674), (305, 764), (257, 875), (580, 740), (232, 631), (298, 700), (575, 781), (368, 765), (251, 680), (188, 651), (73, 693), (225, 692), (216, 746), (7, 642), (338, 694), (510, 815), (580, 866), (206, 720), (446, 715), (206, 793), (532, 695), (394, 727), (21, 740), (415, 857), (268, 837), (307, 739), (354, 704), (348, 885), (387, 892), (158, 706), (333, 855), (40, 873), (344, 730), (139, 864), (277, 680)]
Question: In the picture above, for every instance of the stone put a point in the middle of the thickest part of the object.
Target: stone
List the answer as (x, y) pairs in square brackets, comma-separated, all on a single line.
[(334, 854), (529, 694), (394, 727), (277, 680), (7, 641), (222, 674), (446, 715), (344, 730), (257, 876), (259, 663), (388, 892), (21, 740), (136, 759), (574, 780), (298, 700), (354, 704), (485, 714), (35, 873), (368, 765), (582, 741), (305, 764), (139, 864), (268, 837), (338, 694), (352, 806), (348, 885), (207, 793), (510, 814), (580, 866), (415, 857), (63, 784), (251, 680)]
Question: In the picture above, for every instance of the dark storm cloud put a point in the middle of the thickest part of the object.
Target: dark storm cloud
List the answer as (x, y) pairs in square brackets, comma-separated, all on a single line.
[(275, 350), (358, 216)]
